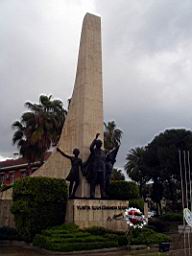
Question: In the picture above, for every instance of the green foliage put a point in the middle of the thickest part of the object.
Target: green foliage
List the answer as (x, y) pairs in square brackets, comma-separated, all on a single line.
[(158, 225), (137, 169), (158, 161), (38, 203), (39, 128), (112, 135), (137, 203), (95, 230), (7, 233), (71, 238), (123, 190), (162, 158), (172, 217), (117, 174), (148, 236)]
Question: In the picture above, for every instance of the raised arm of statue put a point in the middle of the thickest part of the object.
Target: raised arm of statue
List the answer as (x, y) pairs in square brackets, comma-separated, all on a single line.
[(94, 142), (92, 146), (63, 154)]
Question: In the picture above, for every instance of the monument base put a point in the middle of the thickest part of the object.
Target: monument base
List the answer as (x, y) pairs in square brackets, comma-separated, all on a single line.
[(6, 217), (96, 212)]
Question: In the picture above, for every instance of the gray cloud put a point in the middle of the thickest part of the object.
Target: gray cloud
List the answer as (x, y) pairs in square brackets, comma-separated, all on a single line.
[(147, 67), (147, 61)]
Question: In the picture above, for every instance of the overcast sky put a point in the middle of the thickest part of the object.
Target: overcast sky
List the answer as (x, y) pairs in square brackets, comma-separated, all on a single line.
[(147, 62)]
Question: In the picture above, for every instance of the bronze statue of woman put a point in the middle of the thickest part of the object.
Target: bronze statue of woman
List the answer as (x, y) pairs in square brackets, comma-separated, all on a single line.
[(73, 176)]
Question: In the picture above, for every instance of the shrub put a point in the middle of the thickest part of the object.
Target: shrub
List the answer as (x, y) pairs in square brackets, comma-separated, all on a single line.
[(7, 233), (158, 225), (172, 217), (137, 203), (70, 237), (123, 190), (38, 203), (148, 236), (95, 230), (122, 240)]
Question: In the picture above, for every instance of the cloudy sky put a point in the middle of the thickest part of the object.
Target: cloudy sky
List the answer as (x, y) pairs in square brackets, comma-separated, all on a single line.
[(147, 62)]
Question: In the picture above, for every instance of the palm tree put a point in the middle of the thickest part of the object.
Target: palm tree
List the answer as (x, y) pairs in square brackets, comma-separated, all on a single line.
[(112, 135), (136, 168), (21, 137), (39, 128)]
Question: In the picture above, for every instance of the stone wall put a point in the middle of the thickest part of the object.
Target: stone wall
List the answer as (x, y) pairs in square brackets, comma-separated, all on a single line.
[(6, 217)]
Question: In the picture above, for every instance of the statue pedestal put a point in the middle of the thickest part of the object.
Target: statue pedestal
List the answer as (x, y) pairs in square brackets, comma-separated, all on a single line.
[(96, 212)]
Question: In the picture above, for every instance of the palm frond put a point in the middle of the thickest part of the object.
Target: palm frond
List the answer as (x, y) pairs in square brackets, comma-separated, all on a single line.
[(17, 125), (17, 136)]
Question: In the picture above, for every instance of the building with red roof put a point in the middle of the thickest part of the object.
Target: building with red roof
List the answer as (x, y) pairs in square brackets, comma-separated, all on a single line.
[(14, 169)]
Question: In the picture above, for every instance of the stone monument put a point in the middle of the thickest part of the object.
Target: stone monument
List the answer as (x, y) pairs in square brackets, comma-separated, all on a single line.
[(84, 120), (85, 115)]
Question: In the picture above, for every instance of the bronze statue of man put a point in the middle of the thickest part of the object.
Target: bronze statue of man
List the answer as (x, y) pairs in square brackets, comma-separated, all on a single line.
[(96, 167), (74, 175)]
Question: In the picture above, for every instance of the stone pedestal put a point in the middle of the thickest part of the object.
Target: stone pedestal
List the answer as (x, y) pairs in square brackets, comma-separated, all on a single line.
[(96, 212)]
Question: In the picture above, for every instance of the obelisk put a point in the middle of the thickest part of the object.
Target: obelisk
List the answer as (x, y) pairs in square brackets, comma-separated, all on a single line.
[(85, 115)]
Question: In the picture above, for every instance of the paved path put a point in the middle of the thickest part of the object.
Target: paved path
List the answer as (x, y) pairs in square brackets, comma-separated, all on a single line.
[(16, 251)]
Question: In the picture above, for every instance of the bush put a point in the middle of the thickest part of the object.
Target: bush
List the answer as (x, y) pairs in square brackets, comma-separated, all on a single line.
[(38, 203), (7, 233), (137, 203), (95, 230), (70, 238), (148, 236), (158, 225), (172, 217), (123, 190)]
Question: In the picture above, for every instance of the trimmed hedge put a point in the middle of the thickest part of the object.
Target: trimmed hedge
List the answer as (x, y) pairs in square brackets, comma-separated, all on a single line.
[(69, 237), (172, 217), (38, 203), (95, 230), (148, 236), (123, 190)]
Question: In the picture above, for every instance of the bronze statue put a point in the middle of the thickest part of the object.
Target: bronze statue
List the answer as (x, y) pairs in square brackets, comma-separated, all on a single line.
[(73, 176), (98, 167), (95, 167)]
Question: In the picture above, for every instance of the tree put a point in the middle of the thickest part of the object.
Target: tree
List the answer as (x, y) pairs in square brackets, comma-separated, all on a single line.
[(112, 135), (39, 128), (163, 160), (117, 174), (136, 168)]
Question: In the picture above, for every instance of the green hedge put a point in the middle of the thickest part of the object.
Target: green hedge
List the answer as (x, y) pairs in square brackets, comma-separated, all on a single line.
[(38, 203), (95, 230), (158, 225), (69, 237), (137, 203), (172, 217), (123, 190), (148, 236)]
